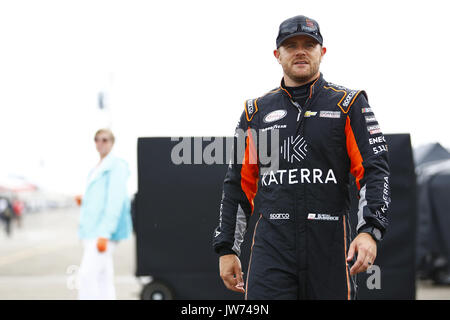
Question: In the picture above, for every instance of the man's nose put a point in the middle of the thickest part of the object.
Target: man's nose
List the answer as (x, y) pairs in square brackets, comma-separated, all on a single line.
[(300, 51)]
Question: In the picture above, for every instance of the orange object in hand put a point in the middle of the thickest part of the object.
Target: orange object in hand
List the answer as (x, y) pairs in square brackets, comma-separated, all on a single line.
[(78, 200), (102, 243)]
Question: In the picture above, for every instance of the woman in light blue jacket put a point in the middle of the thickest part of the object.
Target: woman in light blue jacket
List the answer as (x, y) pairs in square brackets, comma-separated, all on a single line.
[(105, 219)]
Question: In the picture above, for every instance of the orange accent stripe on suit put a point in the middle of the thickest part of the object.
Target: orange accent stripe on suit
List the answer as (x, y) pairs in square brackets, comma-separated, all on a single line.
[(250, 260), (346, 263), (311, 88), (286, 92), (250, 170), (356, 167), (345, 94)]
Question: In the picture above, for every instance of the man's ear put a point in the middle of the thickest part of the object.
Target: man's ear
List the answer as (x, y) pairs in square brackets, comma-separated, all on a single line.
[(276, 53), (323, 50)]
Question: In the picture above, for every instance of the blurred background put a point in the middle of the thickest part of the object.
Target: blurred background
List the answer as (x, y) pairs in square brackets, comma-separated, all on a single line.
[(178, 68)]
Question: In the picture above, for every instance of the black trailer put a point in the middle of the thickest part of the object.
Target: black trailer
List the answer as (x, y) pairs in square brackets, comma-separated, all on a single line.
[(177, 209)]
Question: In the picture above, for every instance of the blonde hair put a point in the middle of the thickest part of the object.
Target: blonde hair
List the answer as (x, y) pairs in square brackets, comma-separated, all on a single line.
[(107, 131)]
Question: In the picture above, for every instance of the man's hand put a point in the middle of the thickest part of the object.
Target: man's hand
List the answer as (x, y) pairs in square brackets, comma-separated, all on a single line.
[(102, 244), (366, 247), (78, 199), (231, 272)]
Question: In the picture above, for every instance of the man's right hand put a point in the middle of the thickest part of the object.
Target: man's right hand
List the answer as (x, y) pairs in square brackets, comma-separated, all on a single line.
[(231, 272)]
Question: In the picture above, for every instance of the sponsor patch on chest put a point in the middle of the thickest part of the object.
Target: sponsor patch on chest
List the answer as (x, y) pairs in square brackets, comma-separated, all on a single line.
[(323, 217), (309, 113), (275, 116), (279, 216), (330, 114)]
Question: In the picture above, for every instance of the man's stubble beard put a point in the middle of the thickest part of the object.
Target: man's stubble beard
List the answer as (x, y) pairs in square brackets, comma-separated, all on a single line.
[(314, 69)]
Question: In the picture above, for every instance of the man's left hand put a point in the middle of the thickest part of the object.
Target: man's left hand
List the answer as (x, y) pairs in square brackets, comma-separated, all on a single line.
[(366, 247)]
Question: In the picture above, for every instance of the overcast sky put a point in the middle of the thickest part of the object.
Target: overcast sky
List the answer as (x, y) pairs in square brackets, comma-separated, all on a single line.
[(181, 68)]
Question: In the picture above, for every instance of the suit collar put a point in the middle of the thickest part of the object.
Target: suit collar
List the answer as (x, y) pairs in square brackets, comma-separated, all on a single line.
[(313, 89)]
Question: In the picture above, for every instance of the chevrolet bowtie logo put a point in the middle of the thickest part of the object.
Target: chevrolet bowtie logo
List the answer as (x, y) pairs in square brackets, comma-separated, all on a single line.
[(294, 149)]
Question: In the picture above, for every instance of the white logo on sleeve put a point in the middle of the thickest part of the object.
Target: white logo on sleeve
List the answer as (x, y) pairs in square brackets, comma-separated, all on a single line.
[(370, 119)]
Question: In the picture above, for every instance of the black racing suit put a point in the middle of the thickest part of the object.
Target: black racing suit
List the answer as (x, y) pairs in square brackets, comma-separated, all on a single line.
[(302, 236)]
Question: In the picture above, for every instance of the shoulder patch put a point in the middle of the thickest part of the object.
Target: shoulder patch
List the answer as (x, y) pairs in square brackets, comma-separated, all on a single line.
[(348, 96), (251, 108)]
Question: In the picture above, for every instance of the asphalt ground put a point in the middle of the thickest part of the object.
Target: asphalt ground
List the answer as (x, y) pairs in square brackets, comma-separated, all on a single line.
[(40, 261), (41, 258)]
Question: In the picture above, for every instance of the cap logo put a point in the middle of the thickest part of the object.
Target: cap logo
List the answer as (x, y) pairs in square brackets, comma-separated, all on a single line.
[(309, 29)]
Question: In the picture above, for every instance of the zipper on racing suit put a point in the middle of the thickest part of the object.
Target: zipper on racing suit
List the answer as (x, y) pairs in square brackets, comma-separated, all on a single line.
[(300, 222)]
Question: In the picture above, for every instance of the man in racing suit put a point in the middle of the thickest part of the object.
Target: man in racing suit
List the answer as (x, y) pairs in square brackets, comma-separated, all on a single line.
[(302, 247)]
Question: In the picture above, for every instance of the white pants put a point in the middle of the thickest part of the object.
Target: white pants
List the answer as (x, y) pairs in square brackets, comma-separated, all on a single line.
[(96, 273)]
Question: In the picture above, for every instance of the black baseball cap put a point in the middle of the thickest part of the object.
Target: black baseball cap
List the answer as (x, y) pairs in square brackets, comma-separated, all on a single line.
[(296, 26)]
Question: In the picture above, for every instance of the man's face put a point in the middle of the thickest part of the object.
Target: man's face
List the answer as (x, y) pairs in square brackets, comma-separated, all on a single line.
[(300, 58), (103, 143)]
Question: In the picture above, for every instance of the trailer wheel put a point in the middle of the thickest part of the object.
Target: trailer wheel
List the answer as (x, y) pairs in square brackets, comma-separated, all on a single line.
[(157, 290)]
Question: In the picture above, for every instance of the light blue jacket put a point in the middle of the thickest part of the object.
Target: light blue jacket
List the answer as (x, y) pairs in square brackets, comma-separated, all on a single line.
[(105, 208)]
